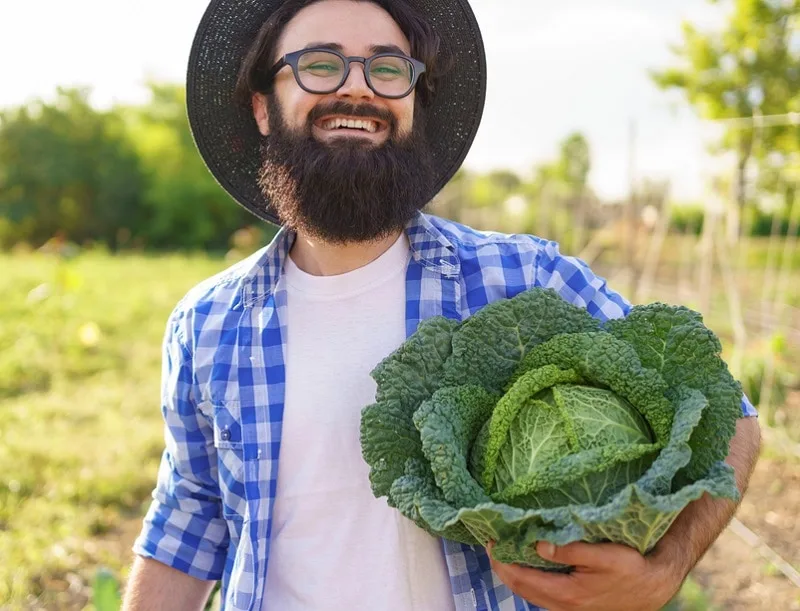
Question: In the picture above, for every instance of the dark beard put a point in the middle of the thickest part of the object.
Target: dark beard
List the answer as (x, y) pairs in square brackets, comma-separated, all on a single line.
[(348, 190)]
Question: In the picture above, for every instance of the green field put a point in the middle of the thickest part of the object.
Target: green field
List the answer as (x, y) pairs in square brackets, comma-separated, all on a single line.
[(80, 436), (81, 433)]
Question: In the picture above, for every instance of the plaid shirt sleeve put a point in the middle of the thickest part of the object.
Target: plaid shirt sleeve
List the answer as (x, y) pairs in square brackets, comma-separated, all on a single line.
[(183, 527), (576, 283)]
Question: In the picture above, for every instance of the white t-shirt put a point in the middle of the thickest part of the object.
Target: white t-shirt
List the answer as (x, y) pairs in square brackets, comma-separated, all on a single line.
[(334, 545)]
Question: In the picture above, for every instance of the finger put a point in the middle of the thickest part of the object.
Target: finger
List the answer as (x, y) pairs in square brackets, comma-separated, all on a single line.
[(539, 587), (594, 556)]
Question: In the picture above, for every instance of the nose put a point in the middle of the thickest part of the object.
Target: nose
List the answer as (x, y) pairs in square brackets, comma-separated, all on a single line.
[(356, 84)]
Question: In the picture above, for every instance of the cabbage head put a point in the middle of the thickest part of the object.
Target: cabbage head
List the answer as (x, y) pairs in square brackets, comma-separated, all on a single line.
[(532, 420)]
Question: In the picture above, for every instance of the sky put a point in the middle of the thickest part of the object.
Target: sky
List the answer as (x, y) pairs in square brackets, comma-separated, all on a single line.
[(585, 68)]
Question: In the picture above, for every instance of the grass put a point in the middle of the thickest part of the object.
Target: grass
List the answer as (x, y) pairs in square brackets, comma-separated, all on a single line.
[(81, 432), (692, 597), (80, 437)]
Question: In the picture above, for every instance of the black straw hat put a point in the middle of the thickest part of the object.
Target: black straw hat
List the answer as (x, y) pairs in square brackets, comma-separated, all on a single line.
[(226, 133)]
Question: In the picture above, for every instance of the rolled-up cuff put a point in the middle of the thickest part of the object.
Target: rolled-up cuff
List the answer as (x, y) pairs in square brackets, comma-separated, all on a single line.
[(748, 410), (192, 544)]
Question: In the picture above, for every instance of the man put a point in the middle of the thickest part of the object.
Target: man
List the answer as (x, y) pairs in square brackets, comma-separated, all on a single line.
[(356, 113)]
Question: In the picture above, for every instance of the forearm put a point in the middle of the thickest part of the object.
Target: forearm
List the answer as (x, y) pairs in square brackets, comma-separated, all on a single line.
[(699, 525), (154, 586)]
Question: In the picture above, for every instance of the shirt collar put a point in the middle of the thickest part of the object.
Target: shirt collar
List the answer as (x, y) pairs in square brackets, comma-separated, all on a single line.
[(429, 247)]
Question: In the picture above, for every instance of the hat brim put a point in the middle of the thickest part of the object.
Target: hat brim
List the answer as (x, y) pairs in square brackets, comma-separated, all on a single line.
[(227, 136)]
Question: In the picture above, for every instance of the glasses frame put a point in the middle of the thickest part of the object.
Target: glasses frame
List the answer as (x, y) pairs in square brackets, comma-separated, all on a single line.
[(293, 59)]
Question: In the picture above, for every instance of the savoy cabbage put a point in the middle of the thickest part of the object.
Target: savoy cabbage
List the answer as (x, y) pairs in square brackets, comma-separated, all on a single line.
[(532, 420)]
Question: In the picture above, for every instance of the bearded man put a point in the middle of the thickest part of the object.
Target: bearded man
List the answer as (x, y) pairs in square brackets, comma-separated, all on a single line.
[(340, 120)]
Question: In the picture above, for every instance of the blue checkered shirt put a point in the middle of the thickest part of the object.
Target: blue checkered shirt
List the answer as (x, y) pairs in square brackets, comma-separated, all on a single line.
[(223, 398)]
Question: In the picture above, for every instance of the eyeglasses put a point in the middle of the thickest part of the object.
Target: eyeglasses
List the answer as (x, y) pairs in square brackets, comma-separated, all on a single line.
[(322, 71)]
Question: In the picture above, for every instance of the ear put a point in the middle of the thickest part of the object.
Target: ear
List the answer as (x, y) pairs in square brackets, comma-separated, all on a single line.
[(261, 113)]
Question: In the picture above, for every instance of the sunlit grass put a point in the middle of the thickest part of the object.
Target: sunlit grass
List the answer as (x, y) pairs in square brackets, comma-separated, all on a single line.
[(80, 436)]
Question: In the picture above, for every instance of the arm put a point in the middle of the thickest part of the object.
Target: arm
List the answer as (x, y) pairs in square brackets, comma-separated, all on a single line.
[(153, 586), (699, 525), (183, 544), (612, 577)]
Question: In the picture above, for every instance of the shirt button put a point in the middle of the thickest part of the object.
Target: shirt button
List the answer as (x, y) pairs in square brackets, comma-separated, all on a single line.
[(225, 435)]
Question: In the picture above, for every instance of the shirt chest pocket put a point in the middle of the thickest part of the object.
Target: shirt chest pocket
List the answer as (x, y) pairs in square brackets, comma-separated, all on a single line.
[(230, 448)]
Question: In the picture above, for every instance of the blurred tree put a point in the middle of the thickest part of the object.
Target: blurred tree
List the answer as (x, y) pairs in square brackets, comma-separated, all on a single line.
[(750, 68), (491, 189), (505, 180), (574, 166), (183, 204), (575, 163), (560, 193), (66, 169)]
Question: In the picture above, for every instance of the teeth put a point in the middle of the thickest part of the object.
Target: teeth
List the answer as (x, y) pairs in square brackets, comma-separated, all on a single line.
[(366, 125)]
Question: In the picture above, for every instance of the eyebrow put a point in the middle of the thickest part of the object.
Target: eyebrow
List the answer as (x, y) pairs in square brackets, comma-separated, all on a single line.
[(374, 49)]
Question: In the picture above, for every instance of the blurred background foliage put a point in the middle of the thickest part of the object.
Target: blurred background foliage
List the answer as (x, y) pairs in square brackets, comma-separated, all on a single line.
[(129, 177)]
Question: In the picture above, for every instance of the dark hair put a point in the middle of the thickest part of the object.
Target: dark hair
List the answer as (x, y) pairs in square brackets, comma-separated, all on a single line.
[(426, 46)]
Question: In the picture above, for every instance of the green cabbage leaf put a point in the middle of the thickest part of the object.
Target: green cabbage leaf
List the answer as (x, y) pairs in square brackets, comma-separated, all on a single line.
[(533, 421)]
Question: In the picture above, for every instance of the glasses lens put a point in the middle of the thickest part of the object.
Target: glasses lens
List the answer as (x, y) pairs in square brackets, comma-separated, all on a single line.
[(391, 75), (320, 71)]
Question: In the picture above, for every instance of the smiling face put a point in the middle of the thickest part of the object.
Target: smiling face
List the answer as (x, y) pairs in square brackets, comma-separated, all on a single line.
[(355, 28), (347, 166)]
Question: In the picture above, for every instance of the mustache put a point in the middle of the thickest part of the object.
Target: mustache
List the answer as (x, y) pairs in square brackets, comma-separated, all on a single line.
[(366, 111)]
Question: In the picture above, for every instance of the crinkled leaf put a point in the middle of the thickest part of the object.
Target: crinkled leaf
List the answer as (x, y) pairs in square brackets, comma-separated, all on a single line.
[(690, 405), (600, 417), (639, 519), (673, 341), (489, 346), (550, 439), (477, 455), (589, 477), (633, 517), (406, 378), (448, 424), (413, 372), (416, 496), (537, 434), (601, 359)]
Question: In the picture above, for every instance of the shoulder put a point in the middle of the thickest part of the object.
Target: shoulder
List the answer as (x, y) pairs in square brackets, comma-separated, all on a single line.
[(469, 240), (499, 265), (210, 302)]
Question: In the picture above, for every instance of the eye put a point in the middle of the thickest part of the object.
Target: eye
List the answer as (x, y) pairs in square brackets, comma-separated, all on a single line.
[(386, 70), (390, 69), (322, 68)]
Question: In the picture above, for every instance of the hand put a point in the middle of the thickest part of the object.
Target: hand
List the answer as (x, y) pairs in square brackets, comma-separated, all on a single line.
[(607, 577)]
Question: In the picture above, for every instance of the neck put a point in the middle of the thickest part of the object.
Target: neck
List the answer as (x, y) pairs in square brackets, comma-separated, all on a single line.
[(319, 258)]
